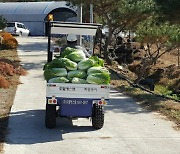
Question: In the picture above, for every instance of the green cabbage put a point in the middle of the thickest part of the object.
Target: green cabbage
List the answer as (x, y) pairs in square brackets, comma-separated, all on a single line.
[(54, 72), (97, 61), (98, 78), (85, 64), (68, 64), (61, 63), (59, 71), (92, 61), (78, 81), (58, 80), (67, 51), (76, 56), (55, 63), (46, 66), (97, 69), (48, 74), (78, 73)]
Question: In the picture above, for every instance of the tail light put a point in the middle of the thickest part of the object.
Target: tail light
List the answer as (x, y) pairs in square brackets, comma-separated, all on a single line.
[(53, 100), (100, 103)]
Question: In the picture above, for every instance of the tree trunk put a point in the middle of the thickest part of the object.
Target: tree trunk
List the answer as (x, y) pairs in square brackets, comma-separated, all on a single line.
[(106, 52), (178, 57), (145, 64)]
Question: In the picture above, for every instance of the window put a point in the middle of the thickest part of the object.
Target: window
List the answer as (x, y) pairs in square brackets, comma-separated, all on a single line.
[(10, 24), (19, 26), (23, 27)]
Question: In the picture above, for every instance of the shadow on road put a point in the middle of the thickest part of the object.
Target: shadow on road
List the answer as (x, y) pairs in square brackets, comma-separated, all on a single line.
[(31, 65), (35, 46), (119, 103), (27, 127)]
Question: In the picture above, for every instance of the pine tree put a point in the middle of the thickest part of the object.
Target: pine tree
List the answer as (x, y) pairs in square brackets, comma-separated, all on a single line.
[(2, 23)]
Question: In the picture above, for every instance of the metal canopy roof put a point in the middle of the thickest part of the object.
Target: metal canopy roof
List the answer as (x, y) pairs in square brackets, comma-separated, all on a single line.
[(29, 11), (74, 28)]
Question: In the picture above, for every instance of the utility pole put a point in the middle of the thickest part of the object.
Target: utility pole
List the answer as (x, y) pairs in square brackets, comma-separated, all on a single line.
[(79, 18), (91, 21)]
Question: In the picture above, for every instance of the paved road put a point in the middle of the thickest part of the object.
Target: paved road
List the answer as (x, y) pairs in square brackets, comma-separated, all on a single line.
[(128, 129)]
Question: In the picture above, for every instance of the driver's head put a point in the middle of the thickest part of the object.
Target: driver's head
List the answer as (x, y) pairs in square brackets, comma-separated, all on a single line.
[(71, 38)]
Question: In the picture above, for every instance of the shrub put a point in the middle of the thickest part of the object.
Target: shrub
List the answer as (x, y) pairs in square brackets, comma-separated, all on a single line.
[(2, 22), (6, 69), (9, 42), (3, 82), (175, 85)]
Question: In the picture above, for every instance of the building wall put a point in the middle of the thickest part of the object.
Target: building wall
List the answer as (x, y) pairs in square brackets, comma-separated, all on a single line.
[(36, 23), (34, 14), (36, 27)]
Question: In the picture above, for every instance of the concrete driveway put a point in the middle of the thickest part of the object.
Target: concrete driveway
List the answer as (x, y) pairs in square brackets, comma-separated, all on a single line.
[(128, 128)]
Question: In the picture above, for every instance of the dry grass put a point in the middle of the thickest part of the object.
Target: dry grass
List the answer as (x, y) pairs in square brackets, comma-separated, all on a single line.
[(10, 71), (8, 42), (3, 82)]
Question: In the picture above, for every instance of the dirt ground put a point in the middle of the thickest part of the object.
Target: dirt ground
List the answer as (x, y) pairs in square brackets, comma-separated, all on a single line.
[(165, 72), (10, 70)]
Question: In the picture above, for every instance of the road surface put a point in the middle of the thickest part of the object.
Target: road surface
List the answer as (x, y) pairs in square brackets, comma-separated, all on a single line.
[(128, 128)]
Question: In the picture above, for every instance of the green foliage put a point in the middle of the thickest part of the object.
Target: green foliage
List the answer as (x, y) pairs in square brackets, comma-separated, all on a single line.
[(119, 15), (163, 90), (128, 9), (166, 92), (2, 22), (150, 31), (158, 38), (169, 10)]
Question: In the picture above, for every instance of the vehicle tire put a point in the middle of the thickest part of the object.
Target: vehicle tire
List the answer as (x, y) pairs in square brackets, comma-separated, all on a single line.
[(98, 116), (50, 117)]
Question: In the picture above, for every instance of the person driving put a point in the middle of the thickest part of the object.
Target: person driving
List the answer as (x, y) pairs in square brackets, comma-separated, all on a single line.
[(72, 42)]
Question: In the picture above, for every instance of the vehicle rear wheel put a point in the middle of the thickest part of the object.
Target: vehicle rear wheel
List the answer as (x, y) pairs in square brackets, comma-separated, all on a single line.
[(98, 116), (50, 117)]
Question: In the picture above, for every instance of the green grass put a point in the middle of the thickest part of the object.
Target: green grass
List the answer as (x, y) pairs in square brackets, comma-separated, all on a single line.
[(164, 90)]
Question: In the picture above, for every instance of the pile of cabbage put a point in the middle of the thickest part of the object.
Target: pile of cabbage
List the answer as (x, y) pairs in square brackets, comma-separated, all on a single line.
[(72, 66)]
